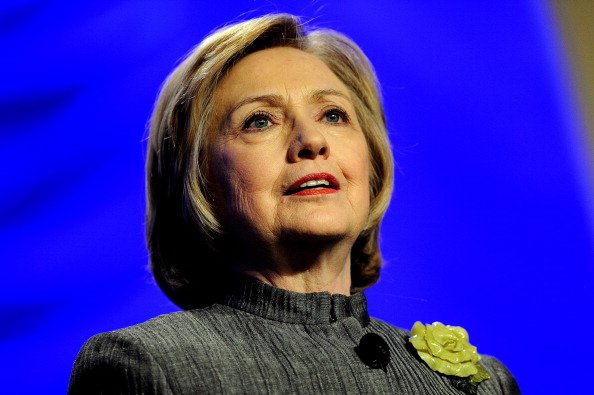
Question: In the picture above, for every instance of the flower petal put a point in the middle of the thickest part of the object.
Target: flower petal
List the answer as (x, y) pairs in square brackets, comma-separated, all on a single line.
[(445, 349), (418, 329)]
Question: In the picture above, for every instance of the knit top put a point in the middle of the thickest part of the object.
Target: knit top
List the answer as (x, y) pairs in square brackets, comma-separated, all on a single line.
[(262, 339)]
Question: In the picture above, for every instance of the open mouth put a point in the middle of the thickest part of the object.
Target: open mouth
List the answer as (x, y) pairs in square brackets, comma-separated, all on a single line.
[(314, 184)]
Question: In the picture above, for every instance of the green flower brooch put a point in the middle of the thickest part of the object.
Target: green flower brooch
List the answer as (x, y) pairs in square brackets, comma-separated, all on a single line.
[(446, 350)]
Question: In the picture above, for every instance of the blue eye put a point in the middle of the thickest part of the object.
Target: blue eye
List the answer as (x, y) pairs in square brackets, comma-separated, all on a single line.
[(336, 116), (258, 121)]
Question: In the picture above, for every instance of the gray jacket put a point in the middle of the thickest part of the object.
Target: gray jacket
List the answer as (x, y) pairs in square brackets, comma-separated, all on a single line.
[(261, 339)]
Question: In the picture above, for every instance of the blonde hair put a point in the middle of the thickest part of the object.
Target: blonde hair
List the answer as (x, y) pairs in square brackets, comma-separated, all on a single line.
[(184, 236)]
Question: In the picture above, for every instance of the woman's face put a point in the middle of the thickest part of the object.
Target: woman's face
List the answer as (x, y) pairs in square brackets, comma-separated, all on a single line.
[(289, 159)]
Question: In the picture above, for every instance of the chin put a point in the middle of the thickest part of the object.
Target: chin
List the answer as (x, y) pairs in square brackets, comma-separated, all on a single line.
[(327, 233)]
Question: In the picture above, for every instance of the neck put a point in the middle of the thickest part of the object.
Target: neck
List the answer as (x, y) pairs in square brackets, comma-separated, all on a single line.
[(303, 267)]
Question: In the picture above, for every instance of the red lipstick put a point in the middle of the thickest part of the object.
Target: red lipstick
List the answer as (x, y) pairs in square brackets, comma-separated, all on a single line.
[(327, 183)]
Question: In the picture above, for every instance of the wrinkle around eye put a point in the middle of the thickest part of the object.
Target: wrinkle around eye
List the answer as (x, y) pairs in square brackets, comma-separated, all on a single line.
[(342, 120), (342, 117), (250, 123), (247, 123)]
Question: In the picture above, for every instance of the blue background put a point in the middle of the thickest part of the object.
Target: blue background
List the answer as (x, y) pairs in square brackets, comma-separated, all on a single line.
[(490, 226)]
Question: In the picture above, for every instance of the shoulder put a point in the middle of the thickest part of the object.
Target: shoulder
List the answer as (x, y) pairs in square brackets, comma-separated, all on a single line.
[(501, 377), (169, 330), (393, 334), (114, 362), (160, 329), (137, 359)]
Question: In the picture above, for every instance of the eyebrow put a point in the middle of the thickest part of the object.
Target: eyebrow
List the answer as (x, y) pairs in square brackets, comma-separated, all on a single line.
[(320, 94), (315, 96), (274, 100)]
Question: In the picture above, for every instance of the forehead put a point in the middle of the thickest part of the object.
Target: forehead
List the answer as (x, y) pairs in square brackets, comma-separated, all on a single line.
[(282, 70)]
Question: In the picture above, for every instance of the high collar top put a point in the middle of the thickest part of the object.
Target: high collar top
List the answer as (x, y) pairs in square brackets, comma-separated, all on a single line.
[(253, 296)]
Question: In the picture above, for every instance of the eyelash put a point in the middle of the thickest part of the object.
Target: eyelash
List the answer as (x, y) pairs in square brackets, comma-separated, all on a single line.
[(262, 114), (337, 110), (254, 116)]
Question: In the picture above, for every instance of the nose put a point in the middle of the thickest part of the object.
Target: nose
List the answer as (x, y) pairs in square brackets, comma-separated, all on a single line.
[(307, 143)]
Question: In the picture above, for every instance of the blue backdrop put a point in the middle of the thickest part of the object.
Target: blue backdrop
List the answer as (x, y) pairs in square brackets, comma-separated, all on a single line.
[(490, 226)]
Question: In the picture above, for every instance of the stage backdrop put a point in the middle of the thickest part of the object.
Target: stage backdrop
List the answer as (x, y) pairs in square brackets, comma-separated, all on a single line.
[(490, 226)]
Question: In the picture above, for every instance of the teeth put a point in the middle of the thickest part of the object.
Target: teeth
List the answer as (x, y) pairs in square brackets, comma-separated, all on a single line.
[(314, 183)]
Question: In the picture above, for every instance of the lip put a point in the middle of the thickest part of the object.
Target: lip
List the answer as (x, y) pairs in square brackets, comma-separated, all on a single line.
[(332, 188)]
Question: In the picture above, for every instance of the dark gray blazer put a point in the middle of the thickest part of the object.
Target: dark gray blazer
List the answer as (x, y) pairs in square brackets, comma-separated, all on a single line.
[(262, 339)]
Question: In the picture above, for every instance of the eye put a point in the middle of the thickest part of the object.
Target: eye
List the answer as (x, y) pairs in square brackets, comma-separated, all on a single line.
[(336, 115), (258, 121)]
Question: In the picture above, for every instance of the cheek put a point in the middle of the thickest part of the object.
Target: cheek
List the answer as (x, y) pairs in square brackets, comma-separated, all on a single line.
[(365, 177), (360, 175), (358, 170), (242, 179), (234, 178)]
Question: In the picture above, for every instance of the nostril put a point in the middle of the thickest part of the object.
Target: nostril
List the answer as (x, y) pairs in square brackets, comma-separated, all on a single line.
[(305, 153), (322, 151)]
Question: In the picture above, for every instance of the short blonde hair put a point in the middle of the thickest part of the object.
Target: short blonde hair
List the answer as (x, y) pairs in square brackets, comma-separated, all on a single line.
[(184, 236)]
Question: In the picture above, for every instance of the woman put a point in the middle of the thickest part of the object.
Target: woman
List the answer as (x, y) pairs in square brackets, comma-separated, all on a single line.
[(269, 171)]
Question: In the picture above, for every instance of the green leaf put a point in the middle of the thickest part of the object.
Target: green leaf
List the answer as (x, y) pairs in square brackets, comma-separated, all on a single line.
[(480, 375)]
